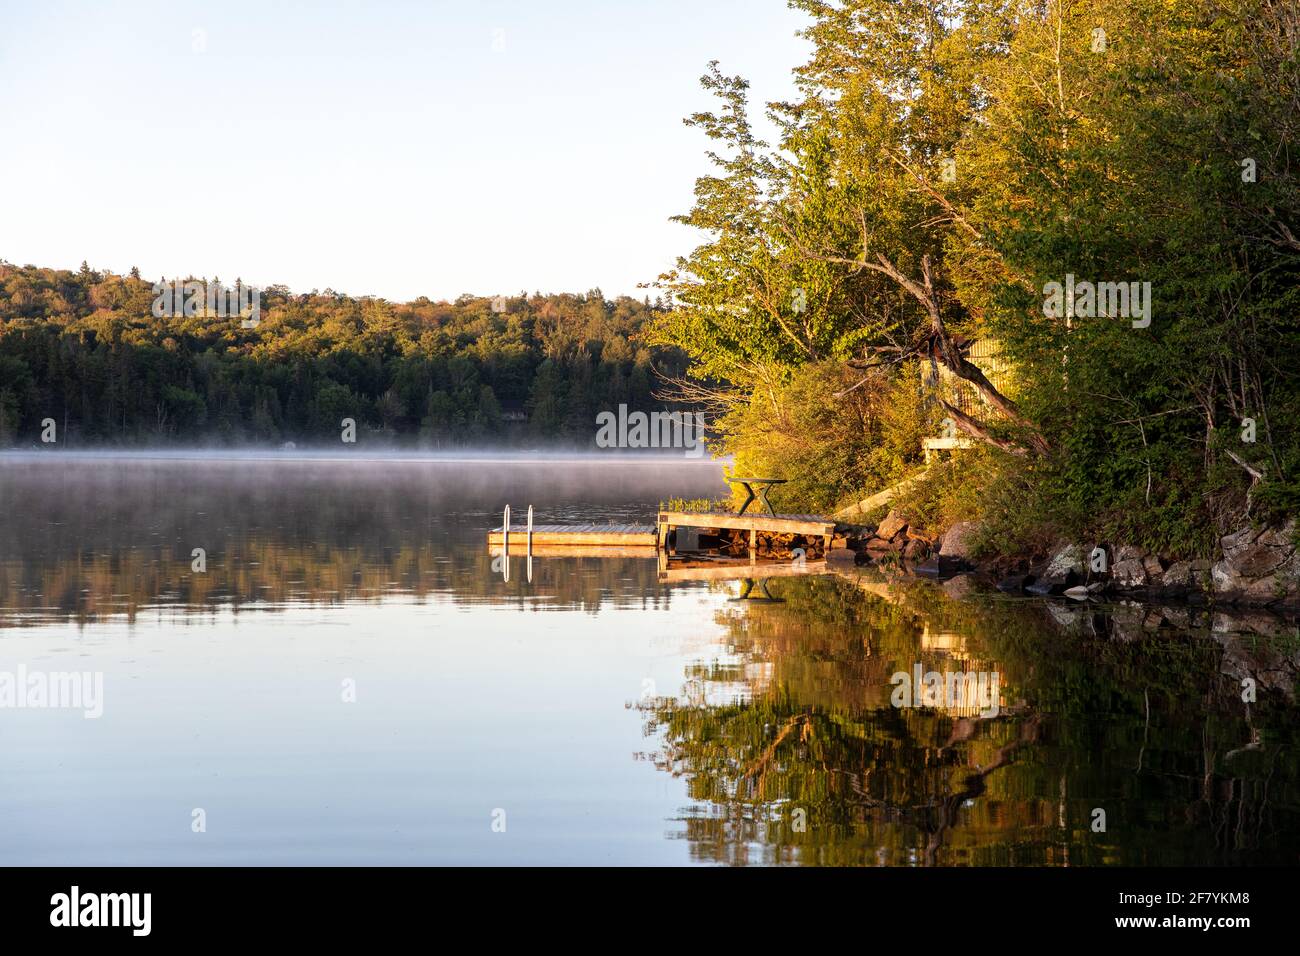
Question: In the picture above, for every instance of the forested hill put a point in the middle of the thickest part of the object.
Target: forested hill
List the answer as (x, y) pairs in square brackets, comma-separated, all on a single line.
[(86, 349)]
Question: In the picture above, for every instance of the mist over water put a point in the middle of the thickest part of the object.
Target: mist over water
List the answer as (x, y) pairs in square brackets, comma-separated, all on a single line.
[(92, 534), (352, 679)]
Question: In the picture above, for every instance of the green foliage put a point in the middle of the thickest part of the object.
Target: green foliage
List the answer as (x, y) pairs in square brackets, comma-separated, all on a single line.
[(84, 349), (694, 505), (831, 437), (945, 161)]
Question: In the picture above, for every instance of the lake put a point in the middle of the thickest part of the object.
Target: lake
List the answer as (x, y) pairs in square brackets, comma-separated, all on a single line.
[(348, 678)]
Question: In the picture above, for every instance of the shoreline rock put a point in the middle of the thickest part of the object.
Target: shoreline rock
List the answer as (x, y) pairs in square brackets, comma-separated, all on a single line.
[(1255, 567)]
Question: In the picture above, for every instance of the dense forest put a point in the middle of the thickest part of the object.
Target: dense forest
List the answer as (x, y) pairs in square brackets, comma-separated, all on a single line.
[(86, 349), (945, 170)]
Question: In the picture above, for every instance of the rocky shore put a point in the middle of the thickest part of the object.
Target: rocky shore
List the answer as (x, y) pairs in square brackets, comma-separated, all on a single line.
[(1252, 567)]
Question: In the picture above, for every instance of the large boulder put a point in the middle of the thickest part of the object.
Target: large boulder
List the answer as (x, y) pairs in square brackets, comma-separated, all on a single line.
[(1256, 560), (1239, 539), (1188, 575), (1129, 573), (893, 526), (1177, 575), (1155, 567), (1258, 565), (1064, 570), (916, 549), (1069, 560), (959, 540), (1128, 552)]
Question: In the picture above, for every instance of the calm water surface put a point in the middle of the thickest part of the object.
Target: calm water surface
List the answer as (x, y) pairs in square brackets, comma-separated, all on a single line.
[(353, 681)]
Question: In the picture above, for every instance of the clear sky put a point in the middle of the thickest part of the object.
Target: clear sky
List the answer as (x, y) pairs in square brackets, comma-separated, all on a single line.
[(383, 148)]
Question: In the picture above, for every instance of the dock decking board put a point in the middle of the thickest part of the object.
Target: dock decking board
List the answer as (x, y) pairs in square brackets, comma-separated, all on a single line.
[(656, 535), (567, 550), (783, 524), (558, 535)]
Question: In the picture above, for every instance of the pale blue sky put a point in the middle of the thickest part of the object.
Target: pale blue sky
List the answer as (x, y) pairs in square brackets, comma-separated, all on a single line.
[(384, 148)]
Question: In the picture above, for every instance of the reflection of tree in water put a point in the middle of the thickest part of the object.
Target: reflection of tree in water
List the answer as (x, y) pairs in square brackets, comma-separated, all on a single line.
[(1151, 731)]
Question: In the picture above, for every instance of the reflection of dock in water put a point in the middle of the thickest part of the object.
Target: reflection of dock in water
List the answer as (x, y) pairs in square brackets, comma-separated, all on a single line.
[(736, 570), (697, 547), (948, 643)]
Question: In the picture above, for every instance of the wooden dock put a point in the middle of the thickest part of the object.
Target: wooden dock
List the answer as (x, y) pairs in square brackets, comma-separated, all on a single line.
[(519, 549), (643, 540), (640, 536), (807, 526)]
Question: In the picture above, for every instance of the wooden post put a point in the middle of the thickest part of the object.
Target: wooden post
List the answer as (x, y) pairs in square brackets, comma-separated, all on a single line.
[(529, 543), (753, 546)]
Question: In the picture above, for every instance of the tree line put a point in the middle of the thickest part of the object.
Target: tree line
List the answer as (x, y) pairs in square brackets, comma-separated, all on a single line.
[(86, 350)]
